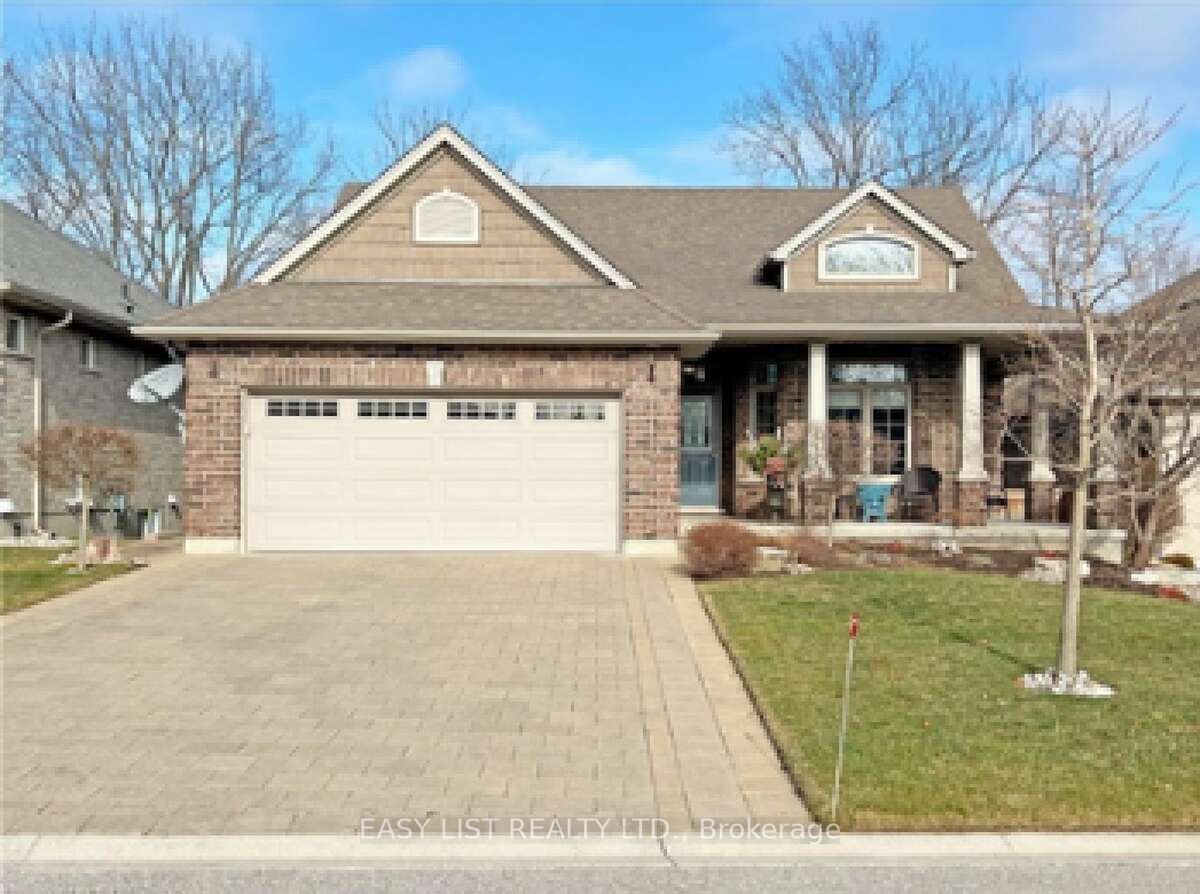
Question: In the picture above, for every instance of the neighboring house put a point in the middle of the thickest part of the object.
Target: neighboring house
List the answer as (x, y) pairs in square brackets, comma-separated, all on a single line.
[(1182, 416), (454, 361), (69, 357)]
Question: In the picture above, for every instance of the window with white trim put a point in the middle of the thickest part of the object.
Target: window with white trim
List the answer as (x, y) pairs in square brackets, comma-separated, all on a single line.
[(446, 216), (393, 409), (481, 409), (87, 352), (880, 413), (301, 408), (569, 410), (867, 255), (14, 334)]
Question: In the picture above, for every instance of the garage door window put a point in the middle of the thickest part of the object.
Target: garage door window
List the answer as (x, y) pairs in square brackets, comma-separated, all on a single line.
[(393, 409), (481, 409), (302, 408), (570, 410)]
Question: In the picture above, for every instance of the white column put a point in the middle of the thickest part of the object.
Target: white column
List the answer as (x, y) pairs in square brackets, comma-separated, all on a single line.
[(971, 375), (818, 408), (1040, 468)]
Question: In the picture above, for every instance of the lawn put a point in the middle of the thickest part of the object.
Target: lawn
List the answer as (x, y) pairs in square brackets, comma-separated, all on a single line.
[(27, 577), (940, 736)]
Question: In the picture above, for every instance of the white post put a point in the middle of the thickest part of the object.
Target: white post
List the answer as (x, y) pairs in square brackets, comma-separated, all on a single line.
[(841, 749), (1040, 468), (818, 408), (972, 414)]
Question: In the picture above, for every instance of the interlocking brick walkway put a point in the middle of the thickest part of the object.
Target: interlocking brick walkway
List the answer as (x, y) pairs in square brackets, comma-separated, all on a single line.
[(301, 693)]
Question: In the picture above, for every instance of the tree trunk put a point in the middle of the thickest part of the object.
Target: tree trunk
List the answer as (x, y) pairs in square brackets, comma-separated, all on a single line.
[(1068, 647), (1147, 531), (85, 493)]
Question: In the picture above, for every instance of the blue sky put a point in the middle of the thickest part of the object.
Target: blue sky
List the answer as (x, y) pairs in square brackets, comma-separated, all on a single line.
[(633, 93)]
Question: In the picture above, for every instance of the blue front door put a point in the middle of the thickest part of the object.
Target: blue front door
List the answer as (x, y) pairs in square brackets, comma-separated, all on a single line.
[(698, 451)]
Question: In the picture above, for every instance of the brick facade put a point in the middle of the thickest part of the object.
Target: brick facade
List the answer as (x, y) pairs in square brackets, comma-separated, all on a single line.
[(648, 380), (71, 393)]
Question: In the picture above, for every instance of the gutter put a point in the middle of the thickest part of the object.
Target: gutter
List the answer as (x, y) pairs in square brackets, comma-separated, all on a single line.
[(695, 338), (747, 331), (36, 500)]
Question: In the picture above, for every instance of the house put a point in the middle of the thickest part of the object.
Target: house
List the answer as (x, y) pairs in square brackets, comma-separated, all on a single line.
[(1182, 418), (69, 356), (451, 360)]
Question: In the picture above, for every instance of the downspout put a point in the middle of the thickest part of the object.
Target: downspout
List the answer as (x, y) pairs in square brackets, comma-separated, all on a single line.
[(37, 413)]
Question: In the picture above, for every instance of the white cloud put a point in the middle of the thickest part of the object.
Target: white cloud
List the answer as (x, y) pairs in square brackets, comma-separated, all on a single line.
[(427, 73), (1134, 40), (570, 166), (505, 124)]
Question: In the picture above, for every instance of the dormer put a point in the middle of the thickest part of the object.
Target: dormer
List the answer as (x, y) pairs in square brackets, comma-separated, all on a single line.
[(871, 239)]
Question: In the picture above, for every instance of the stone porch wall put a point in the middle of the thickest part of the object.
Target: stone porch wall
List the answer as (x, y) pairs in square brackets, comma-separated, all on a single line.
[(648, 380)]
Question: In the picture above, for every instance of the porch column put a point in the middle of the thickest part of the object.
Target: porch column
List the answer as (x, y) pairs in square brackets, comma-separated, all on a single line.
[(1041, 473), (818, 409), (972, 476), (972, 414)]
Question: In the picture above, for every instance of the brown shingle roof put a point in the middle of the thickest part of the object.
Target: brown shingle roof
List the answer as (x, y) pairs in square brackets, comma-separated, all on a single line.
[(694, 254), (433, 306)]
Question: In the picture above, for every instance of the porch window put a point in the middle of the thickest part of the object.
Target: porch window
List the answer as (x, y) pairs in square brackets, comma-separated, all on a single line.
[(766, 418), (885, 410)]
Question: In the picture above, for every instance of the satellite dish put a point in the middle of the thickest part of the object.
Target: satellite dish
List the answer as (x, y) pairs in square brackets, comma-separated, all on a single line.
[(158, 384)]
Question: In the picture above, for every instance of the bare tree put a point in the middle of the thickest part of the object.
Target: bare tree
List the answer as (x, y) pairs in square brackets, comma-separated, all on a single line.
[(101, 461), (845, 110), (1110, 220), (164, 154)]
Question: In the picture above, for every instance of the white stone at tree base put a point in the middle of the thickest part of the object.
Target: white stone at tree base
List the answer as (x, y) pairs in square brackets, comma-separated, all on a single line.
[(1080, 685), (1049, 570)]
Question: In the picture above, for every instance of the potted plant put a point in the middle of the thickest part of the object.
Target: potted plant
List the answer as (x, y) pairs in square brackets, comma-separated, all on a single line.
[(769, 458)]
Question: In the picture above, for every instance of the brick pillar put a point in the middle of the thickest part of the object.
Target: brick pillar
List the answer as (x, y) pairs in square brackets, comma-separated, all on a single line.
[(750, 498), (1107, 502), (970, 509), (817, 494), (1040, 504)]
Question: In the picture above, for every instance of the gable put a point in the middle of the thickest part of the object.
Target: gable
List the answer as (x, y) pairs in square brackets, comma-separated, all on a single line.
[(933, 262), (474, 224)]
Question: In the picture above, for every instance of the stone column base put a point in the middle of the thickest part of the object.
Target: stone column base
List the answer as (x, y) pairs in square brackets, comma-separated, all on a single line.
[(750, 498), (970, 508), (1041, 506), (1107, 502), (817, 497)]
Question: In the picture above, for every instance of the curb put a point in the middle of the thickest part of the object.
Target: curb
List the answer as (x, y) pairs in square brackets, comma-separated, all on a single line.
[(673, 850)]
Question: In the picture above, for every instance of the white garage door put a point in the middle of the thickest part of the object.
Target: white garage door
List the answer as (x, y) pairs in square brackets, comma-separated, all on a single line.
[(426, 473)]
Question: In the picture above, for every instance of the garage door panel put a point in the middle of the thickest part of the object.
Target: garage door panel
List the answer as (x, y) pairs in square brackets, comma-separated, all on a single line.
[(391, 492), (588, 492), (487, 448), (393, 450), (374, 482), (302, 448), (298, 489), (471, 493)]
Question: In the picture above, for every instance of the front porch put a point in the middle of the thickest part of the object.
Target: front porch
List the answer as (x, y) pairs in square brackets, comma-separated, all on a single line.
[(886, 441)]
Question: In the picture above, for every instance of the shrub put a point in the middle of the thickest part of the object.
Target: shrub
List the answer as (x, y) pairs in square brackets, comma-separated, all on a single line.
[(722, 549), (1181, 560), (810, 551)]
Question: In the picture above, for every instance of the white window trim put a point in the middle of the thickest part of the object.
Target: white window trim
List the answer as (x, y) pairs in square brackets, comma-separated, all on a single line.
[(866, 390), (472, 239), (824, 275), (754, 392), (20, 321), (88, 344)]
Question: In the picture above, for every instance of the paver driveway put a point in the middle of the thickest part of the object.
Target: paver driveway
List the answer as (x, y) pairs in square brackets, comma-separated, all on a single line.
[(301, 693)]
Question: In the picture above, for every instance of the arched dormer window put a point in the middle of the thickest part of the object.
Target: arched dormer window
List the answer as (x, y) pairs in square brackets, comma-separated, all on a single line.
[(446, 216), (868, 255)]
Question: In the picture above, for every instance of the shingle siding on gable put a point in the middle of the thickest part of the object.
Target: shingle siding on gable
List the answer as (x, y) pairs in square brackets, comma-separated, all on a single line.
[(379, 244), (933, 264)]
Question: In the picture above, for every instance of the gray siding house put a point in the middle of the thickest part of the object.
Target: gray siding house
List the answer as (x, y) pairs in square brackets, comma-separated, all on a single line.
[(68, 356)]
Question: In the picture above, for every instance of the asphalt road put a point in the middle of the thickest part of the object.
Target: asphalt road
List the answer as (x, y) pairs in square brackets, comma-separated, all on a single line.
[(1095, 877)]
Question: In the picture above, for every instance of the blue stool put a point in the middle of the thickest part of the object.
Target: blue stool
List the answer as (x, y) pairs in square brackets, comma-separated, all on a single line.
[(873, 498)]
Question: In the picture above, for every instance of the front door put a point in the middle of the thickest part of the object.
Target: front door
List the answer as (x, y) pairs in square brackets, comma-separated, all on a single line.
[(698, 446)]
